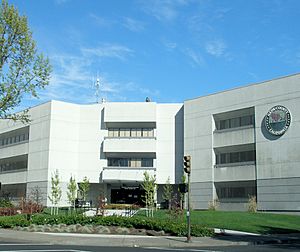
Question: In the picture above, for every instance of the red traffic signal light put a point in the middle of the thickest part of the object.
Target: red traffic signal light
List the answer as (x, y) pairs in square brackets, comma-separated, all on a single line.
[(187, 164)]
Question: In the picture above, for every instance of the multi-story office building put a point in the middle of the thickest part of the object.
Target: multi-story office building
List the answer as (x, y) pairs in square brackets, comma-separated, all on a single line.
[(112, 144), (243, 142)]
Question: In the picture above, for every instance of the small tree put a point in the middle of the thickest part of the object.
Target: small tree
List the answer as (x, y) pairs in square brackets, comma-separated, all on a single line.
[(84, 187), (149, 185), (72, 189), (55, 192), (36, 195), (168, 193), (252, 204)]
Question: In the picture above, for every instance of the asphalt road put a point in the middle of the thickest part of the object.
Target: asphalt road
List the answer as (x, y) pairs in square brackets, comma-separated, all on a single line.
[(25, 247)]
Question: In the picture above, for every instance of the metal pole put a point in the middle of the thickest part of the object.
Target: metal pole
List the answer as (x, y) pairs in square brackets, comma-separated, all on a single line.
[(188, 214)]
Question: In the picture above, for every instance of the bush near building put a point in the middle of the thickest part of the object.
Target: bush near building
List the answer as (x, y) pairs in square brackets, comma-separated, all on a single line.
[(168, 226)]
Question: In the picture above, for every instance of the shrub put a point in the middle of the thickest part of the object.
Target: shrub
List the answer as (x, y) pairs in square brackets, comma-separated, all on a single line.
[(5, 203), (168, 226), (30, 207), (252, 204), (213, 205), (14, 221), (8, 211)]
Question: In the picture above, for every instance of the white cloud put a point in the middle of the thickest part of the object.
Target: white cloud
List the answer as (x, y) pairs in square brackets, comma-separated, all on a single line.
[(215, 48), (116, 91), (163, 9), (73, 80), (169, 45), (101, 21), (196, 57), (109, 51), (133, 25)]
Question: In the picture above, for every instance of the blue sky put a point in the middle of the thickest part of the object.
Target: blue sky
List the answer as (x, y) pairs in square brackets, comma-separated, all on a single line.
[(168, 50)]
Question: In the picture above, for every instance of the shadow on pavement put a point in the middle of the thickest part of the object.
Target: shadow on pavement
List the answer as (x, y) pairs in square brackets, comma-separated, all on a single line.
[(274, 236)]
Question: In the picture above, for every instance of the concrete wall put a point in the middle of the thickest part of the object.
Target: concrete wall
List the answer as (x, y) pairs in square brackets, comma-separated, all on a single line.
[(74, 149), (70, 139), (169, 143), (277, 158)]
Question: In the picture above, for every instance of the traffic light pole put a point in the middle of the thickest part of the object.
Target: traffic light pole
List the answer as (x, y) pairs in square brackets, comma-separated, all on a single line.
[(187, 165), (188, 214)]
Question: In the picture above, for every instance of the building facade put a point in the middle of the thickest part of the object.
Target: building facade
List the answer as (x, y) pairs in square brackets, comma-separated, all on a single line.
[(245, 142), (112, 144)]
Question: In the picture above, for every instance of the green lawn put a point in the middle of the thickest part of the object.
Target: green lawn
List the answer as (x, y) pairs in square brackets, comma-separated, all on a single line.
[(263, 223)]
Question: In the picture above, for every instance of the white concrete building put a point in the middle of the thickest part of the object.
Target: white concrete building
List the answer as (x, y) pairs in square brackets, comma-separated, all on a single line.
[(243, 142), (246, 142), (112, 144)]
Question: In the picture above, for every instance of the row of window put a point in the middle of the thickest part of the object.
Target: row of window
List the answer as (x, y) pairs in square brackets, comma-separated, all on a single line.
[(235, 192), (130, 162), (235, 157), (144, 132), (14, 139), (235, 122), (9, 166)]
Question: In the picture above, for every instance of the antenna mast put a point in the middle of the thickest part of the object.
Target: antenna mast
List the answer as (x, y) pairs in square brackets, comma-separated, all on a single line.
[(97, 87)]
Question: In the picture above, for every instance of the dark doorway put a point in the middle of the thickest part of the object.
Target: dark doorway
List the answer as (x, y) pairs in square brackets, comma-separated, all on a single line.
[(127, 195)]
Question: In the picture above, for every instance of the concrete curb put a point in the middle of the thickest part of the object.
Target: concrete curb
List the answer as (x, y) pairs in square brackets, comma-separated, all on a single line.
[(223, 238)]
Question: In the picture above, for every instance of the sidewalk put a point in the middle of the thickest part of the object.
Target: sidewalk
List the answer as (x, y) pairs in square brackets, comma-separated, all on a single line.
[(223, 239)]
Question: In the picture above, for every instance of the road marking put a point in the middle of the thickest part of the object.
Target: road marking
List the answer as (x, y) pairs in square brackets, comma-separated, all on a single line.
[(45, 250), (38, 250), (103, 235), (25, 244), (182, 249)]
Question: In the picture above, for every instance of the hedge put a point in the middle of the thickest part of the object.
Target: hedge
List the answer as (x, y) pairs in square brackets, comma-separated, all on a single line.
[(168, 226)]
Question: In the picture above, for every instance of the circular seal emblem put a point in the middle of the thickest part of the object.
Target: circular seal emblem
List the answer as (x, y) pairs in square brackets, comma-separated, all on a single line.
[(278, 120)]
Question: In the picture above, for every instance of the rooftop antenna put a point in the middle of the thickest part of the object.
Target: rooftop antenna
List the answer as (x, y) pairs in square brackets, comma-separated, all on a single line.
[(97, 87)]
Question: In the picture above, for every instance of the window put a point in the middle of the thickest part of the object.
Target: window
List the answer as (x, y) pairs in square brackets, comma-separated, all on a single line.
[(14, 137), (148, 133), (130, 162), (128, 132), (235, 157), (235, 192), (13, 164), (235, 122), (122, 133), (147, 162)]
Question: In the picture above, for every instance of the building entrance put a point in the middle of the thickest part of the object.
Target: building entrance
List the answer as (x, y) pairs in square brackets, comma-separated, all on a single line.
[(127, 195)]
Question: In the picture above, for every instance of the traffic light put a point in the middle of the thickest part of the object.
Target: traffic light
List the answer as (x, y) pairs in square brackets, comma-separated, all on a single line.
[(187, 164)]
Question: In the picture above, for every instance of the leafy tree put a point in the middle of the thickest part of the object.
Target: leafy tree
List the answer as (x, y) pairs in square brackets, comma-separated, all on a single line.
[(168, 193), (149, 186), (84, 187), (72, 189), (55, 192), (22, 70)]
